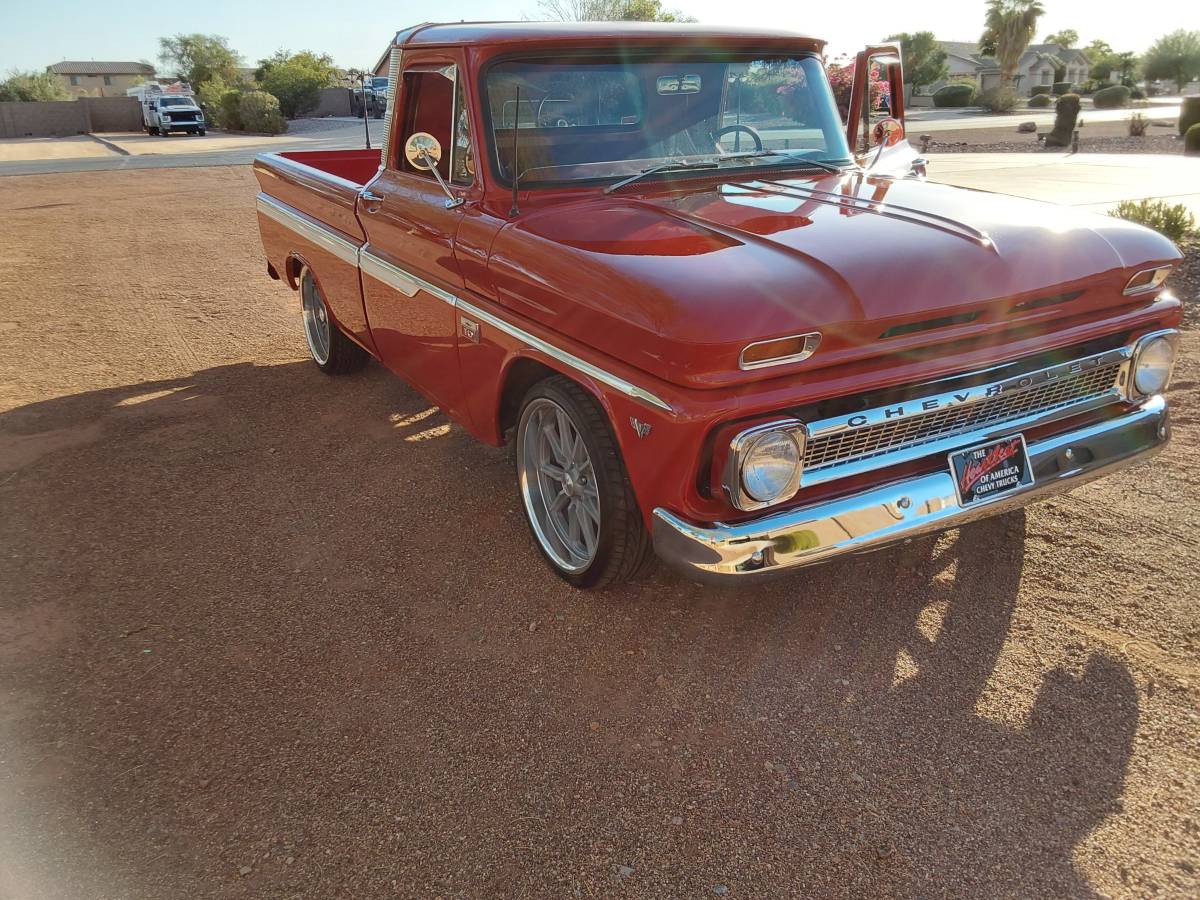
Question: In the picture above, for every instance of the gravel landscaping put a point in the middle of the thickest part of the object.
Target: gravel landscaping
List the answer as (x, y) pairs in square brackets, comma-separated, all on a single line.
[(1097, 137)]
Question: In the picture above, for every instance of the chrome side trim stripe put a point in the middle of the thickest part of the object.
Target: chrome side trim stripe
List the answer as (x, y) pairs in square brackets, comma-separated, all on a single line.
[(408, 284), (401, 279), (321, 235), (580, 365)]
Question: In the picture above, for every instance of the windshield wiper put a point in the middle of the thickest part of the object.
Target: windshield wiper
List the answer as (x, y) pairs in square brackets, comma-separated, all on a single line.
[(674, 165), (798, 161)]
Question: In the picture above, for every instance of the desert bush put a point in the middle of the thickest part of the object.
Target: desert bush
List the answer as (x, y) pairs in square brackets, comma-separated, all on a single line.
[(998, 100), (1171, 220), (954, 95), (1138, 125), (259, 111), (1061, 87), (1191, 141), (1189, 113), (1066, 115), (1111, 97), (1039, 101), (1039, 89), (1089, 87), (229, 110), (32, 86)]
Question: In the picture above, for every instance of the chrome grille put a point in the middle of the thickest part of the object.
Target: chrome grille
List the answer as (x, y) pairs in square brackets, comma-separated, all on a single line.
[(856, 444)]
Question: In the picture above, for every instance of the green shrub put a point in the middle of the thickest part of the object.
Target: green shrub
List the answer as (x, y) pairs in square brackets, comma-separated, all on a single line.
[(1062, 87), (1066, 114), (1089, 87), (1112, 97), (954, 95), (229, 110), (1039, 89), (1191, 141), (1171, 220), (1189, 113), (1039, 101), (259, 112), (998, 100)]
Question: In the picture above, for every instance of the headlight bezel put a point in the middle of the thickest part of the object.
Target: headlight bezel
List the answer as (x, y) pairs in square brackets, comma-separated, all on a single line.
[(741, 447), (1169, 337)]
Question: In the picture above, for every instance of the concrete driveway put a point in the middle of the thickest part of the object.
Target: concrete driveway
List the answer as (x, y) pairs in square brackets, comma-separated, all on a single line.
[(1093, 181)]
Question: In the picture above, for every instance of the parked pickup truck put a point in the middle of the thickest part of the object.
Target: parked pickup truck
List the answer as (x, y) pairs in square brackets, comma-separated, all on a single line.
[(719, 323)]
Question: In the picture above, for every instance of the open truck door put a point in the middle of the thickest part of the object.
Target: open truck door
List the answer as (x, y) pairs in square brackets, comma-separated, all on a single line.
[(875, 129)]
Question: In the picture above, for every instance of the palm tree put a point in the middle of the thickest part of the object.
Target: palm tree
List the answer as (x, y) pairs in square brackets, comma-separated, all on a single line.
[(1008, 28)]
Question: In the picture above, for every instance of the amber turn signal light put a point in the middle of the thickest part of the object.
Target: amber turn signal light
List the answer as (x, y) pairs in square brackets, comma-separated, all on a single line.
[(1147, 280), (793, 348)]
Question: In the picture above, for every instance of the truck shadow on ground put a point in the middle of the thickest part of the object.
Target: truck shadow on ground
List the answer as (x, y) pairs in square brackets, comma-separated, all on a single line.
[(307, 614)]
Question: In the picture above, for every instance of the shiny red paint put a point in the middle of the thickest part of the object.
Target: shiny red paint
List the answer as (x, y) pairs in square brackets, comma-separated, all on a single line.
[(663, 283)]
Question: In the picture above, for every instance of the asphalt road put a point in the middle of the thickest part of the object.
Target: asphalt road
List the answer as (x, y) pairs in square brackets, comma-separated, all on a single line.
[(265, 633)]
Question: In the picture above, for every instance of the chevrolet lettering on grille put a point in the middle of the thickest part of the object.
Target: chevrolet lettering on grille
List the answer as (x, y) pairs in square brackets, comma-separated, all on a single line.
[(847, 445), (973, 394)]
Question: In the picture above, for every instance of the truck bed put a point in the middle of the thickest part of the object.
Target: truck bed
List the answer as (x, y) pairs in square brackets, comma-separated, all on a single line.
[(321, 184)]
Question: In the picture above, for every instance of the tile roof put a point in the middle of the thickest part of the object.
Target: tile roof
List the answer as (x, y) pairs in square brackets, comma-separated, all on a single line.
[(96, 67)]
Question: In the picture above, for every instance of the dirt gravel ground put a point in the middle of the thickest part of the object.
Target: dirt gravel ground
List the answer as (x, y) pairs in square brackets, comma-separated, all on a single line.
[(269, 634)]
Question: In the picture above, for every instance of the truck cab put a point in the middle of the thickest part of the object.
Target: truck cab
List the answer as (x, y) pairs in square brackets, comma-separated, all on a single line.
[(718, 311)]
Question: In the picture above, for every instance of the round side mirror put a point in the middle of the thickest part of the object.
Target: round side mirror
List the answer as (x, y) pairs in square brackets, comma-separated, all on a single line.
[(422, 150), (888, 132)]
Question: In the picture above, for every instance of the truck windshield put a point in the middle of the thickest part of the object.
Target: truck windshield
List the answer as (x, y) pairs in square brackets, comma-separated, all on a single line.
[(596, 120), (175, 101)]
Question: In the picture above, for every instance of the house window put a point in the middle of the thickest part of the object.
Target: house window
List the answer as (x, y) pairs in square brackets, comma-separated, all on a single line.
[(108, 81), (1047, 76), (74, 81)]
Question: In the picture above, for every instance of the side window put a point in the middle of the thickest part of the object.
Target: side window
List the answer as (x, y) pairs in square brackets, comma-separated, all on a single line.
[(462, 166), (428, 99)]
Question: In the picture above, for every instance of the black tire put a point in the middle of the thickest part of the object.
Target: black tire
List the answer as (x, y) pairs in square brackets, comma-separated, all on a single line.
[(152, 129), (337, 354), (622, 550), (201, 132)]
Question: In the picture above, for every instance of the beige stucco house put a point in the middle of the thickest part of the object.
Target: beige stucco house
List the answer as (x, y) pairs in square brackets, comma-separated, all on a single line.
[(89, 78), (1035, 68)]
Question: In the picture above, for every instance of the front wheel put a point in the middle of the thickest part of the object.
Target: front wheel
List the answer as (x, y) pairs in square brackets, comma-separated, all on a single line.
[(201, 132), (332, 351), (576, 493)]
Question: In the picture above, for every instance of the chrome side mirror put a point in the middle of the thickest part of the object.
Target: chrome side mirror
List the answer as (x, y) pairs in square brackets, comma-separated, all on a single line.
[(423, 152)]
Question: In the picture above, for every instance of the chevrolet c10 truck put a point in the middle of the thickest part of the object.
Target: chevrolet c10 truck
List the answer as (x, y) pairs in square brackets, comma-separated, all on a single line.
[(721, 314)]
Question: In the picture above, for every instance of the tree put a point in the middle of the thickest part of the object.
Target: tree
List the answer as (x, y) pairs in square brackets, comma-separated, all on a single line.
[(296, 79), (31, 86), (198, 58), (1067, 38), (1174, 57), (924, 59), (1009, 26), (611, 11)]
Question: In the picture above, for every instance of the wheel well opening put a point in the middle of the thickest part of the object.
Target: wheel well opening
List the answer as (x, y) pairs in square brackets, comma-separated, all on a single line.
[(522, 375), (292, 269)]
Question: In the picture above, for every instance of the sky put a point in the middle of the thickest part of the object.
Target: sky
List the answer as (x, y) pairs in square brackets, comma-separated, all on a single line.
[(33, 36)]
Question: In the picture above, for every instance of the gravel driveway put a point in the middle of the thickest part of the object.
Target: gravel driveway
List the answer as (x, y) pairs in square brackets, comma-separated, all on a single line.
[(269, 634)]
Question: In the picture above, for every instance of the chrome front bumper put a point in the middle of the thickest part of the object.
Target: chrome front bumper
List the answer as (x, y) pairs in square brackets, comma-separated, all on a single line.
[(776, 543)]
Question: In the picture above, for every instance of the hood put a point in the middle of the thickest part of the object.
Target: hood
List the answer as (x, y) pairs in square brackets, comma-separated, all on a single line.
[(680, 282)]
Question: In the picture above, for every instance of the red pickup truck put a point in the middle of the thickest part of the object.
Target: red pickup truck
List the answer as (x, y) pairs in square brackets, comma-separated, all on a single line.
[(720, 312)]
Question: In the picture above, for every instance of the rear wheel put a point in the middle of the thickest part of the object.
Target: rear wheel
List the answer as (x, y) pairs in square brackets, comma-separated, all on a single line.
[(574, 488), (152, 129), (332, 351)]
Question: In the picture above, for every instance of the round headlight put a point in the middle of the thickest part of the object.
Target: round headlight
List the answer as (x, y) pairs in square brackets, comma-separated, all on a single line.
[(1152, 368), (770, 466)]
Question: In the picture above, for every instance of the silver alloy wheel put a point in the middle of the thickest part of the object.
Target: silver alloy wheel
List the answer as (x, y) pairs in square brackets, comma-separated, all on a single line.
[(316, 317), (558, 483)]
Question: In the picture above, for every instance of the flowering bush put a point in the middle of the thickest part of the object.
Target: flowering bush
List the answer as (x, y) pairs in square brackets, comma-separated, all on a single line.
[(841, 79)]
